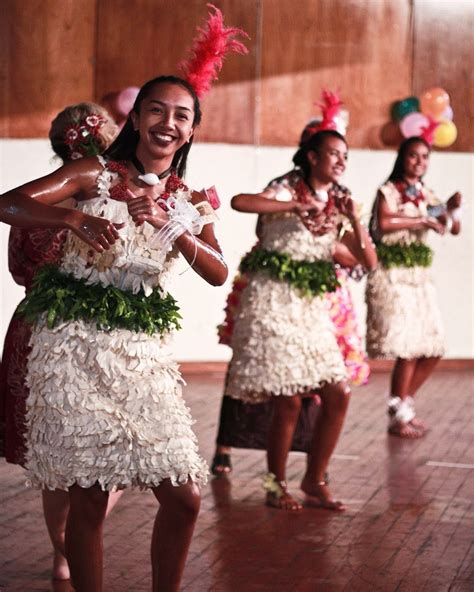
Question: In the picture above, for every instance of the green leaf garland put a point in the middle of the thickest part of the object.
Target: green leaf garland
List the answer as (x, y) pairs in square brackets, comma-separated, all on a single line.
[(62, 297), (311, 278), (415, 254)]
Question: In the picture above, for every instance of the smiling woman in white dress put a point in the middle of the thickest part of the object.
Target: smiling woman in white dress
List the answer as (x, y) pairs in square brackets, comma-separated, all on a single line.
[(105, 409)]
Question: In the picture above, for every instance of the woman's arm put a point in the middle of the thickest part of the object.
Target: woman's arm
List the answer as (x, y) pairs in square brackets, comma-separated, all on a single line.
[(202, 252), (452, 206), (267, 203), (32, 204), (389, 221), (357, 241)]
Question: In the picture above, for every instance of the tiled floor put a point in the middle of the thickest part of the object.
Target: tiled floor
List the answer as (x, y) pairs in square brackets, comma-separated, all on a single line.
[(409, 526)]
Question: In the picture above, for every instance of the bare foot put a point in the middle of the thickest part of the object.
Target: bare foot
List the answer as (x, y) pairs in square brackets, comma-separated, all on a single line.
[(283, 502), (418, 424), (406, 430), (319, 496), (60, 567), (221, 464)]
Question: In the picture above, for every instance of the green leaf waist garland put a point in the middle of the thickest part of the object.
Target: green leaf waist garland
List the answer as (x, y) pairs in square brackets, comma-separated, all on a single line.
[(311, 278), (62, 297), (404, 255)]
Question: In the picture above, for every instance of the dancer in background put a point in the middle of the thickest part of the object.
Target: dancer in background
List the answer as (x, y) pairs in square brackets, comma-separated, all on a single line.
[(85, 129), (403, 319), (105, 409), (283, 341), (245, 425)]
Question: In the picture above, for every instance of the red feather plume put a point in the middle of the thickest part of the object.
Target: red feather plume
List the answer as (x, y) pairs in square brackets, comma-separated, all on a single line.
[(208, 51), (428, 130), (330, 108)]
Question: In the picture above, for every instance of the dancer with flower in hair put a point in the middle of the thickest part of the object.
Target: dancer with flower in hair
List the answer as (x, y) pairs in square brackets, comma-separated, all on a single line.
[(403, 318), (85, 129), (284, 344), (105, 409)]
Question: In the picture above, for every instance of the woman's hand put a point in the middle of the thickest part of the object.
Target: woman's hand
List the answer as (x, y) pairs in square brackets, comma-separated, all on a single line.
[(99, 233), (314, 207), (434, 224), (143, 208), (454, 201), (345, 204)]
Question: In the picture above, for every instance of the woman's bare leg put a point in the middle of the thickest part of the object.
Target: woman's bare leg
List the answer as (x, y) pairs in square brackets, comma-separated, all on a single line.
[(114, 497), (84, 545), (285, 415), (55, 510), (423, 370), (334, 404), (403, 375), (172, 533)]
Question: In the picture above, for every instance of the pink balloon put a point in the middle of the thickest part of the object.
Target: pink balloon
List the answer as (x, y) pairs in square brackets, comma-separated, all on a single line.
[(125, 99), (413, 124), (447, 114)]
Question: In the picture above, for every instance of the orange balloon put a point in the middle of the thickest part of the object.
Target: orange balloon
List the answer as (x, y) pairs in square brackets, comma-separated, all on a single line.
[(434, 102)]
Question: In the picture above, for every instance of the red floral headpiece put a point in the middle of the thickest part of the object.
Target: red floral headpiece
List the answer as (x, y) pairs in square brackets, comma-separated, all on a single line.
[(209, 50), (83, 137), (330, 106)]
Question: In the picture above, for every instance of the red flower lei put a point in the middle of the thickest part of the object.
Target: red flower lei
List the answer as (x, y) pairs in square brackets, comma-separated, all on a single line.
[(410, 193), (317, 224), (119, 190)]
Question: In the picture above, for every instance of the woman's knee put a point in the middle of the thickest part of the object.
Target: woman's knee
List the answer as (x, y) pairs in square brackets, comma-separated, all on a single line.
[(90, 503), (184, 500), (287, 405), (337, 398)]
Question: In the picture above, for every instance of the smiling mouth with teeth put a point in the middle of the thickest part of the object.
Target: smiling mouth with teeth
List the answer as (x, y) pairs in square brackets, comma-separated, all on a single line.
[(162, 137)]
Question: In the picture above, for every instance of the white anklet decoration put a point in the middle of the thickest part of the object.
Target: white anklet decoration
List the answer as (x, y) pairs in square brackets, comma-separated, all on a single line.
[(400, 410)]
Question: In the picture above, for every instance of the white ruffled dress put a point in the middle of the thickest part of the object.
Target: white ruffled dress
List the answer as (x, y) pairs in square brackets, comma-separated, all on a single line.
[(106, 406), (284, 343), (403, 316)]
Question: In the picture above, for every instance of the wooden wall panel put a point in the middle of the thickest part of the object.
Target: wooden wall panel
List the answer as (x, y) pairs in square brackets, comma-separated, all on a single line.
[(362, 47), (47, 62), (444, 56), (142, 39)]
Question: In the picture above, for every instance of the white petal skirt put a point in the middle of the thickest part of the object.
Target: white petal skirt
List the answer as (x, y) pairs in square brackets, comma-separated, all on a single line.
[(106, 407)]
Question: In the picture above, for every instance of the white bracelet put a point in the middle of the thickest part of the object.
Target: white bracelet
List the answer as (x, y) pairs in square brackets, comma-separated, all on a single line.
[(455, 215)]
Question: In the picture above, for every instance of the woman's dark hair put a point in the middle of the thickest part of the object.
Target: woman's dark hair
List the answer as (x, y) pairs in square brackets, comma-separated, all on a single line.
[(125, 145), (398, 172), (313, 144)]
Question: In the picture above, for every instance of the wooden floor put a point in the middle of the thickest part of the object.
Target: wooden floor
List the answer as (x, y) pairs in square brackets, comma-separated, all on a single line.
[(409, 526)]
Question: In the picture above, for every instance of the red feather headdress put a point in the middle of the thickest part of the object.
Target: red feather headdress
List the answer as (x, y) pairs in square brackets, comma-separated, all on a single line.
[(330, 106), (208, 51), (428, 130)]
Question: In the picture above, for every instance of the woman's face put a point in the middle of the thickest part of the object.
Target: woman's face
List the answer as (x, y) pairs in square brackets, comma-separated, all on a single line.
[(329, 163), (415, 162), (165, 121)]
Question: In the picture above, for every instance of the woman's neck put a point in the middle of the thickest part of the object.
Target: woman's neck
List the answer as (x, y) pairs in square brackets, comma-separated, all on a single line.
[(153, 165), (411, 180), (318, 185)]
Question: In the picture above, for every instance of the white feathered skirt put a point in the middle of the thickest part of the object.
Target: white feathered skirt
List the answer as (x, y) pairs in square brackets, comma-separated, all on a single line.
[(106, 407), (283, 343)]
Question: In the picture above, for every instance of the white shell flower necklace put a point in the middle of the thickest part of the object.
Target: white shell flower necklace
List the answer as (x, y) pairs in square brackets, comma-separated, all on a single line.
[(149, 178)]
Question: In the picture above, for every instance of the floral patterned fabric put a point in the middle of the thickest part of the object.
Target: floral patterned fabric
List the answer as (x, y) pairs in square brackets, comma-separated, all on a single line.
[(28, 250)]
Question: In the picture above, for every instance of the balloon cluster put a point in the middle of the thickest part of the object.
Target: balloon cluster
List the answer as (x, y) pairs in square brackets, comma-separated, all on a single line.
[(429, 116)]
